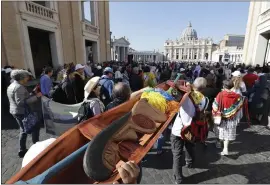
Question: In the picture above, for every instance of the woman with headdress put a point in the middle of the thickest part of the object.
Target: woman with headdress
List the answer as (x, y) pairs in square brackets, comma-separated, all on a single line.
[(227, 108)]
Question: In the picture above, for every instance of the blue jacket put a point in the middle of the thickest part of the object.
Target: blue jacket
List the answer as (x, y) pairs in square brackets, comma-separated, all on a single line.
[(107, 83), (106, 89), (45, 85)]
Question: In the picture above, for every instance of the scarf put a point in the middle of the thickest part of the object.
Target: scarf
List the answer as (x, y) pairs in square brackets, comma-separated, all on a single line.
[(229, 102), (197, 97)]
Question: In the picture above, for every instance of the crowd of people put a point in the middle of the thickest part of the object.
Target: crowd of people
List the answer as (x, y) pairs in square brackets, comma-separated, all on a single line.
[(220, 91)]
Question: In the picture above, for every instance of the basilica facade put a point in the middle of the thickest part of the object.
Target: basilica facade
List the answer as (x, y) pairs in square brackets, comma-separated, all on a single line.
[(257, 40), (189, 47)]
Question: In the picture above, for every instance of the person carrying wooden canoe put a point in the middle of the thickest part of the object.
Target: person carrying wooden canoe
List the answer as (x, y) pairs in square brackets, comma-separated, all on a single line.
[(194, 103)]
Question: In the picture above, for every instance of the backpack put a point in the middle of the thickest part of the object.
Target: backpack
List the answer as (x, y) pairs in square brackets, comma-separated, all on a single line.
[(58, 95), (104, 94), (85, 112), (197, 131)]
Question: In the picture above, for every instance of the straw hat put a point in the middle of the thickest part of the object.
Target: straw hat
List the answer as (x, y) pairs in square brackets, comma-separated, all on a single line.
[(91, 84)]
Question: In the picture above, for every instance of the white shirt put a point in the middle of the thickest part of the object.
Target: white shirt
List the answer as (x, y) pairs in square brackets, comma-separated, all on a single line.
[(36, 149), (185, 115)]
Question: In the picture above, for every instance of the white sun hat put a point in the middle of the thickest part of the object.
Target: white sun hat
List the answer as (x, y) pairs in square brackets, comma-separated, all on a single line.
[(90, 85), (236, 74), (78, 66)]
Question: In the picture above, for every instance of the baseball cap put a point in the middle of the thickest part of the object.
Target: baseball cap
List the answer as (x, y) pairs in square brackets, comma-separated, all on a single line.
[(108, 69), (78, 66), (8, 70)]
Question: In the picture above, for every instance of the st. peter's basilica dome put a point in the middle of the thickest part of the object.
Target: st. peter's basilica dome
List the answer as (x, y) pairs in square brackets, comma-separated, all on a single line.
[(189, 33)]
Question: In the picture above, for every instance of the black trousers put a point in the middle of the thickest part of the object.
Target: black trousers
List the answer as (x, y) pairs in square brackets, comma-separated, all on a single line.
[(177, 150)]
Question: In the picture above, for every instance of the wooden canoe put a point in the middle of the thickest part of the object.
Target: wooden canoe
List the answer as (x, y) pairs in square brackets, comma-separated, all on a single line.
[(78, 136)]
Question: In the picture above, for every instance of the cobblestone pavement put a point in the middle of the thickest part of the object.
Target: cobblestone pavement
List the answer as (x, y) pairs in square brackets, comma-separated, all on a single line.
[(249, 162)]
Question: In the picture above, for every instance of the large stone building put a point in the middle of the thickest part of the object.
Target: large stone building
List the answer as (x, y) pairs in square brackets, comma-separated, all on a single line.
[(39, 33), (146, 56), (188, 47), (120, 48), (257, 39), (230, 49)]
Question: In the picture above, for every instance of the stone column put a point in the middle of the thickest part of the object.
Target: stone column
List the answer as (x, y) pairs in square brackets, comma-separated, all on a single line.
[(187, 53), (123, 53), (210, 54), (117, 52), (183, 53), (126, 53), (203, 54)]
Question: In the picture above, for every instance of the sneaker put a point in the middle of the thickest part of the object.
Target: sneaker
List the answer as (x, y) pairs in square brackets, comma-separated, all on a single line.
[(218, 144), (224, 153), (181, 182), (189, 165)]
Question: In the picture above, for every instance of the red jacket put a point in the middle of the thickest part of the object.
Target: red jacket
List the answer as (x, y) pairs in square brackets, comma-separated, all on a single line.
[(250, 79)]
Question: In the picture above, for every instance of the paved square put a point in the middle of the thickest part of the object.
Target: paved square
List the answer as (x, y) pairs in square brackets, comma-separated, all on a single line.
[(249, 162)]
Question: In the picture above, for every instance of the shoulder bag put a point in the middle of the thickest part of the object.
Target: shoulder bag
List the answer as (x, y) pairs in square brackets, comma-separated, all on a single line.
[(218, 116), (30, 119)]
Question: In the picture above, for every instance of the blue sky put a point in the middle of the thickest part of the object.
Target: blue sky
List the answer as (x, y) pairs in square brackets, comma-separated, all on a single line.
[(148, 24)]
